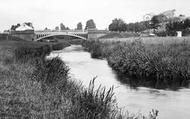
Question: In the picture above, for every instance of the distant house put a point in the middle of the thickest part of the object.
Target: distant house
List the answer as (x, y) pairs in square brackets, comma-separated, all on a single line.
[(24, 27), (24, 31)]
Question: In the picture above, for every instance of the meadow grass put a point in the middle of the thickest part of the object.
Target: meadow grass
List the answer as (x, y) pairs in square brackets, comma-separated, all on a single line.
[(152, 65)]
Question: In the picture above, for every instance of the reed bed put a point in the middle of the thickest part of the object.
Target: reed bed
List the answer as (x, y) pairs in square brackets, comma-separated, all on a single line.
[(154, 65)]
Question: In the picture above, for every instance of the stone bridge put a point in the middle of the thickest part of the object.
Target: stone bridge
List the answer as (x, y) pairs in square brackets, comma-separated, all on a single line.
[(84, 35), (39, 35)]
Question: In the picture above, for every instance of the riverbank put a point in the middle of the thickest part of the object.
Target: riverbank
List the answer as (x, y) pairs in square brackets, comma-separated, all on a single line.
[(150, 65), (34, 87)]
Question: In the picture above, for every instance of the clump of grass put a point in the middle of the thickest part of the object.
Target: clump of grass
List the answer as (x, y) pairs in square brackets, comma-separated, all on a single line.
[(96, 104)]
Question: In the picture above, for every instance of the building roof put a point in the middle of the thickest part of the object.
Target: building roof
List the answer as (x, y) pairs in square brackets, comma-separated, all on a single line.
[(24, 27)]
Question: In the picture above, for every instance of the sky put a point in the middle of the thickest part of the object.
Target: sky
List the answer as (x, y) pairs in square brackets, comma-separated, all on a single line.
[(50, 13)]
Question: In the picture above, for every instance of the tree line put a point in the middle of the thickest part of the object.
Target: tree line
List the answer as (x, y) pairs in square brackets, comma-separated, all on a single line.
[(173, 27), (119, 25), (170, 25), (90, 24)]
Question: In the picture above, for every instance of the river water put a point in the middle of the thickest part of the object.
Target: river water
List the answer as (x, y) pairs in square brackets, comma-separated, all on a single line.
[(171, 104)]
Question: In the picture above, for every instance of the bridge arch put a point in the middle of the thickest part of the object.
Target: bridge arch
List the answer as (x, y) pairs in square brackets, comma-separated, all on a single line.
[(51, 35)]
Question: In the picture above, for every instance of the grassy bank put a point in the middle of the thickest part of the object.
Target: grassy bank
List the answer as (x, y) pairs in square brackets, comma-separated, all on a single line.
[(157, 66), (33, 87)]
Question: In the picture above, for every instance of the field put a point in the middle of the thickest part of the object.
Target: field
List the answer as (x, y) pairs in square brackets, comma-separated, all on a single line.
[(162, 66)]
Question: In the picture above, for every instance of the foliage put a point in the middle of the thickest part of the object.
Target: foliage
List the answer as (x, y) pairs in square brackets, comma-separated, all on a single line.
[(120, 26), (172, 27), (138, 26), (117, 25), (56, 28), (90, 24), (157, 19), (79, 26), (14, 27), (62, 27)]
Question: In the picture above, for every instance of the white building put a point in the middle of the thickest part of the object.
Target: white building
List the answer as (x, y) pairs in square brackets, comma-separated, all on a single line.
[(24, 27)]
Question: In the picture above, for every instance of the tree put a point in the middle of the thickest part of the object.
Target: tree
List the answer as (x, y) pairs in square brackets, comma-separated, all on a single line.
[(157, 20), (79, 26), (14, 27), (46, 29), (62, 27), (187, 23), (57, 28), (172, 27), (67, 28), (117, 25), (90, 24)]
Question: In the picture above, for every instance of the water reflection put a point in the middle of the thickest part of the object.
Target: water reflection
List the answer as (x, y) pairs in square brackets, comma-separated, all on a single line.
[(135, 82), (171, 104)]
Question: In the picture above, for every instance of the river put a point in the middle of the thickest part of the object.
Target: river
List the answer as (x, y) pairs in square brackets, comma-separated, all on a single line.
[(171, 104)]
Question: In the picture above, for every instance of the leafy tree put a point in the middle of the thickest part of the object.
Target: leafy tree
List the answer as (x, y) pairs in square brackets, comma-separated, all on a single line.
[(172, 27), (57, 28), (90, 24), (46, 29), (157, 20), (67, 28), (62, 27), (187, 23), (120, 25), (14, 27), (79, 26), (117, 25)]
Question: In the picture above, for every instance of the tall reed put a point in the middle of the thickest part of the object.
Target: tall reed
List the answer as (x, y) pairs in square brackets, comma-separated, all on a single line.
[(161, 66)]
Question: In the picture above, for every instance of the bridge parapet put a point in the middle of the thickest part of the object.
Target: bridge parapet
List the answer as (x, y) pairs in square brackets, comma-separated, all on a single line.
[(40, 34), (89, 34)]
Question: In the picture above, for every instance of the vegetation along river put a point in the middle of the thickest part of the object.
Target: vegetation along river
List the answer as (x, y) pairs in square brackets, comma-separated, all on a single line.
[(171, 104)]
